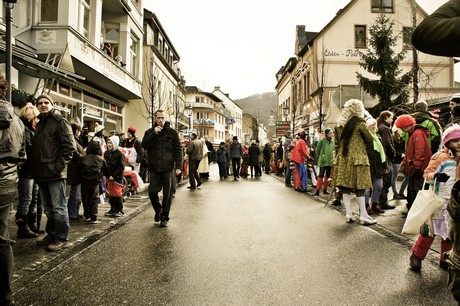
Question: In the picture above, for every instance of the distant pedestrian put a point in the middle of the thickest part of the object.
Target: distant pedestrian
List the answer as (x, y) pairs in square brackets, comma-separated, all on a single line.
[(52, 149), (254, 153), (194, 151), (236, 153), (92, 167), (267, 152), (74, 175), (210, 148), (222, 159), (164, 152), (114, 176), (299, 157), (203, 167), (287, 157), (137, 155)]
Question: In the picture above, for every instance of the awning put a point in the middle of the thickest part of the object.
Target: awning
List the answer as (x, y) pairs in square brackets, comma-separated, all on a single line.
[(27, 63)]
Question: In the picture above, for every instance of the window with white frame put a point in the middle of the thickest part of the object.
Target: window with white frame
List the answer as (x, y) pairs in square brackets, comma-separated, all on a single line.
[(133, 51), (85, 17), (112, 37), (382, 6), (49, 10)]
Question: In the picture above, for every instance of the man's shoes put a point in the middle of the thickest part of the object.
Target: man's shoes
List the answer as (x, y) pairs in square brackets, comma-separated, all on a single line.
[(325, 192), (110, 213), (199, 184), (163, 223), (43, 241), (157, 217), (288, 185), (316, 193), (191, 187), (415, 263), (386, 206), (97, 221), (397, 196), (57, 246), (118, 214)]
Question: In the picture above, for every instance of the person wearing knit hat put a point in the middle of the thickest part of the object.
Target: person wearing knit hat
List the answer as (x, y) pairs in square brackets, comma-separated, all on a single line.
[(417, 154), (52, 149), (441, 170), (114, 176), (324, 155), (137, 158)]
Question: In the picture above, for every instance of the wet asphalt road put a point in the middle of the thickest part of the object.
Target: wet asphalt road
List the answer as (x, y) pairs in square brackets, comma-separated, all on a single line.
[(252, 242)]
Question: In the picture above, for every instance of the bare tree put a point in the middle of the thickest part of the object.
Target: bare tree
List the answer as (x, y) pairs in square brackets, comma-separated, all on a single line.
[(320, 72)]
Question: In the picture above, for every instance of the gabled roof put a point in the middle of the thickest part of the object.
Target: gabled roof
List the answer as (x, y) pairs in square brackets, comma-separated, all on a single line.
[(153, 19), (196, 90)]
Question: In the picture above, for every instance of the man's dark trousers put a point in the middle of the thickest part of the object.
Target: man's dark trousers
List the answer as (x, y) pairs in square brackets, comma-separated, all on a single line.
[(158, 181)]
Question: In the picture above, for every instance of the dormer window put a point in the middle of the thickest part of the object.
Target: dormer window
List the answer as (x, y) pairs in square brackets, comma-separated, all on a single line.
[(382, 6)]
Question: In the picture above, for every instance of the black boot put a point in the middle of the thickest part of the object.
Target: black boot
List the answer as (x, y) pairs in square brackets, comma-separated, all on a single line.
[(23, 229), (31, 222)]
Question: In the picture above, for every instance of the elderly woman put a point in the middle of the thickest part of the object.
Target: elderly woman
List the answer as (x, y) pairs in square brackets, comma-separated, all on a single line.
[(351, 166)]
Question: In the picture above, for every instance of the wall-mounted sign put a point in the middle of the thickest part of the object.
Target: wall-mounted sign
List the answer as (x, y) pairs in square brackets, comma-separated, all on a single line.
[(91, 111), (64, 109), (110, 120)]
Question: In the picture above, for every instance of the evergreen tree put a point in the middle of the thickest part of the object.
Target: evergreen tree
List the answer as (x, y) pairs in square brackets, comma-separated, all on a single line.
[(382, 61)]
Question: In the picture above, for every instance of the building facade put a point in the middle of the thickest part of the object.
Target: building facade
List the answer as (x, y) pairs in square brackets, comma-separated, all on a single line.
[(235, 120)]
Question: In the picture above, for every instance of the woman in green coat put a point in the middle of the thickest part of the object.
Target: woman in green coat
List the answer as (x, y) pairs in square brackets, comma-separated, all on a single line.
[(351, 166), (324, 156)]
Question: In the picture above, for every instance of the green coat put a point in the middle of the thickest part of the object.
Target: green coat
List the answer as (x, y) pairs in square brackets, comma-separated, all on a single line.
[(325, 152), (353, 171)]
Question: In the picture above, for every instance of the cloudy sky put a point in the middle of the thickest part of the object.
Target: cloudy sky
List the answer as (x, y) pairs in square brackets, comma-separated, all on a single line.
[(239, 45)]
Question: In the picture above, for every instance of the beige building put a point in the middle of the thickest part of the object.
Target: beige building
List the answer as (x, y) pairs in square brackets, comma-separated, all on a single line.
[(235, 120), (324, 69)]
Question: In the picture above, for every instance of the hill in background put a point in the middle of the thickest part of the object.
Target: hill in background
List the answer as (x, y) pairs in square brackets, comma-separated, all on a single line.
[(260, 106)]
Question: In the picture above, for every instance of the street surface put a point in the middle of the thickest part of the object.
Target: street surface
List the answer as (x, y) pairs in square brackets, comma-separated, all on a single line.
[(247, 242)]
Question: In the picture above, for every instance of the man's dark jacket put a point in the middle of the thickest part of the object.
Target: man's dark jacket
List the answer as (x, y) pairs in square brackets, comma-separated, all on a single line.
[(164, 149), (53, 147)]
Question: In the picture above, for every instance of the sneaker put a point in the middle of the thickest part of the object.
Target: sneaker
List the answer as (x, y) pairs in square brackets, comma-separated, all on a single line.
[(97, 221), (367, 221), (43, 241), (163, 223), (415, 263), (110, 213), (117, 214), (57, 246)]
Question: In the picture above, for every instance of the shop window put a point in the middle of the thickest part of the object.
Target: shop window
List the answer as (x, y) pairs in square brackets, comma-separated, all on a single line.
[(90, 99), (76, 94), (382, 6), (49, 10)]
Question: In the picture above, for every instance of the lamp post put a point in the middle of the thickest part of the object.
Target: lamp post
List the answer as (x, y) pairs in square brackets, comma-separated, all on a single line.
[(8, 4), (189, 113)]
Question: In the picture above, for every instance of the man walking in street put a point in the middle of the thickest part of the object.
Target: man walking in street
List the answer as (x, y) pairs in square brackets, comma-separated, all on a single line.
[(12, 152), (194, 151), (164, 152), (52, 149), (236, 153)]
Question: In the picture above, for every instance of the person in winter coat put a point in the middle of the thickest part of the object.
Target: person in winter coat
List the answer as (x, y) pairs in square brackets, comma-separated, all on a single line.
[(324, 155), (254, 153), (439, 33), (114, 176), (299, 157), (164, 153), (400, 149), (131, 141), (386, 136), (11, 155), (351, 166), (194, 151), (74, 175), (378, 167), (203, 166), (417, 154), (28, 199), (52, 149), (236, 153), (442, 170), (287, 156), (92, 166), (267, 157), (222, 159)]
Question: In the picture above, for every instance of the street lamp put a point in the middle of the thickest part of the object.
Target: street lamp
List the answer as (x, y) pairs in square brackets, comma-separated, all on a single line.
[(189, 113), (8, 4), (286, 112)]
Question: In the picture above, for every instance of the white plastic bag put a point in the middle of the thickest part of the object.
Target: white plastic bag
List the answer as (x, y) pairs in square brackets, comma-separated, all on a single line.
[(425, 204)]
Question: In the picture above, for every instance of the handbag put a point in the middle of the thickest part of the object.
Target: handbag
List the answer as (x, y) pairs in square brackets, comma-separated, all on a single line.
[(425, 204)]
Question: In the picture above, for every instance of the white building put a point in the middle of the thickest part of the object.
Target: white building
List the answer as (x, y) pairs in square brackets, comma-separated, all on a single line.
[(235, 121)]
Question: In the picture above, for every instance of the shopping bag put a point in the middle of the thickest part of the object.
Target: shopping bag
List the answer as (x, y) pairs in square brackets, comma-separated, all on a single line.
[(425, 204)]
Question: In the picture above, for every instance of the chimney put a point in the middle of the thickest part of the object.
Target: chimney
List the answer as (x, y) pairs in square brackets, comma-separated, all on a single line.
[(216, 88)]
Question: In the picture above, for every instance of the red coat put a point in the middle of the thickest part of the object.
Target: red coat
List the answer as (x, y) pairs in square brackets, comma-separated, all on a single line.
[(418, 151), (300, 152)]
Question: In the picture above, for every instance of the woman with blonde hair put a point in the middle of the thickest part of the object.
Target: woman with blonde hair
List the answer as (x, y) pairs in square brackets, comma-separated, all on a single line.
[(28, 203)]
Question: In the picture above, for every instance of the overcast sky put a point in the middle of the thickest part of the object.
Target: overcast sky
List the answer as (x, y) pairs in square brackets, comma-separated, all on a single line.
[(239, 45)]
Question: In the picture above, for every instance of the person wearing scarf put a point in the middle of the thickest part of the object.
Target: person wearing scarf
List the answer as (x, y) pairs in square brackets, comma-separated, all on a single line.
[(377, 161)]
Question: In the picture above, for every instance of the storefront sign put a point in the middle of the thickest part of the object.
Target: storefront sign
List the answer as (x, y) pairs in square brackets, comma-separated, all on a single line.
[(91, 111), (62, 108), (110, 120)]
